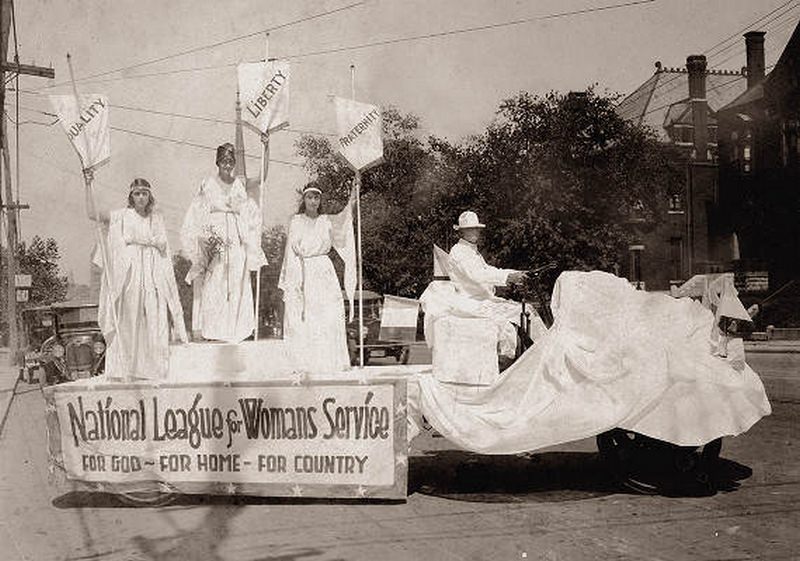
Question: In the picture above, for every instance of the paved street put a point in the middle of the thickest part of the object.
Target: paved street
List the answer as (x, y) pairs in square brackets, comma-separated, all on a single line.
[(555, 506)]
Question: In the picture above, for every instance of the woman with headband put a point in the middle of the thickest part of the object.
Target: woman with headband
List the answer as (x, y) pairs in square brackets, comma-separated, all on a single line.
[(314, 322), (221, 236), (140, 285)]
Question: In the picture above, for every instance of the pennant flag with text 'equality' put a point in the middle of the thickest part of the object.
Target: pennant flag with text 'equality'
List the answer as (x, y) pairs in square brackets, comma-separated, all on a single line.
[(264, 93), (399, 319), (86, 126), (359, 129)]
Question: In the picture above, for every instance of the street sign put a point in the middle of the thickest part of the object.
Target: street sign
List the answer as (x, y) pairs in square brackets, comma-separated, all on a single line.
[(22, 294), (22, 281)]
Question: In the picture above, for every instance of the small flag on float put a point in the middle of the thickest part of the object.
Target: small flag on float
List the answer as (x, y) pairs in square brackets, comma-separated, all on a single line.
[(399, 319), (359, 127), (441, 264), (264, 91), (86, 126)]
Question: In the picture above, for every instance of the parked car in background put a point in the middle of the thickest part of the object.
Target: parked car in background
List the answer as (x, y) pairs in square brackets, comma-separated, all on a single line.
[(373, 345), (76, 349), (37, 327)]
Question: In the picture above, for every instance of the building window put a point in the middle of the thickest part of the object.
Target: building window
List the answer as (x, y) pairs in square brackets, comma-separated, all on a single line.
[(635, 273), (712, 135), (747, 159), (675, 203)]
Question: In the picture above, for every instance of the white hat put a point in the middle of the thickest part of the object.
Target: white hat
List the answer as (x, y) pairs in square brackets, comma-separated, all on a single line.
[(468, 219)]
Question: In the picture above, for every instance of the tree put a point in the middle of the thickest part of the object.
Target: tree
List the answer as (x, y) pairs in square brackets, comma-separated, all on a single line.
[(40, 259), (555, 177)]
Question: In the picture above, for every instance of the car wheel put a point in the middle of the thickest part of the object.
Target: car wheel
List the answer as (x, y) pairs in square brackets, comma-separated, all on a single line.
[(405, 353)]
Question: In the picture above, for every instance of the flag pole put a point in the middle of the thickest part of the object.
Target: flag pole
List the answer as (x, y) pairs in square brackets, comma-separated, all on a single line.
[(99, 238), (261, 189), (357, 187)]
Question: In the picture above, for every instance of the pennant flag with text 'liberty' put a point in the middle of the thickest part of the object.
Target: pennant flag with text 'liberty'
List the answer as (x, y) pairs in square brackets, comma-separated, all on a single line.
[(264, 93), (86, 126), (359, 129), (399, 319)]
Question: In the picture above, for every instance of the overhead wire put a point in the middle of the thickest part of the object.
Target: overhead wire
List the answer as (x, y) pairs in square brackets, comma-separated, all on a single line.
[(673, 79), (214, 45), (384, 42)]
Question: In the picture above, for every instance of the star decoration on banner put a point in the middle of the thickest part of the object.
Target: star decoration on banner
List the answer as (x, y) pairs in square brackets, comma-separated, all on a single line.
[(361, 491), (163, 487), (226, 384), (297, 491), (401, 410), (99, 487), (401, 459), (298, 377), (51, 408), (230, 488)]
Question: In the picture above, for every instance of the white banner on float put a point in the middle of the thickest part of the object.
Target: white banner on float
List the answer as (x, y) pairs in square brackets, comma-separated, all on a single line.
[(359, 127), (321, 439), (264, 94), (86, 126)]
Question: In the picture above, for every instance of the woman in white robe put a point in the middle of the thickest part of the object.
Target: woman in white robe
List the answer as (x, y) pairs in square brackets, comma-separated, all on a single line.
[(138, 296), (221, 236), (314, 320)]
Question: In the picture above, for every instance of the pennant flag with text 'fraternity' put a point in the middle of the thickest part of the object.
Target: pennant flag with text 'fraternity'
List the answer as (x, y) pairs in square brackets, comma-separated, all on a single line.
[(86, 126), (360, 136), (264, 93), (399, 319)]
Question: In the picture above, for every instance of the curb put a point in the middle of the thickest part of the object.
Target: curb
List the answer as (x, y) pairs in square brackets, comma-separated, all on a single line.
[(788, 349), (5, 403)]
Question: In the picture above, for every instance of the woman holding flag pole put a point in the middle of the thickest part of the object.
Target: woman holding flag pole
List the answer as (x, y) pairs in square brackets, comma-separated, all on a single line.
[(314, 326), (140, 295)]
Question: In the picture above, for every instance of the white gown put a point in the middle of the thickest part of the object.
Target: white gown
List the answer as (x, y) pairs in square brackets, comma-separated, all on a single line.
[(223, 297), (615, 357), (314, 319), (143, 291)]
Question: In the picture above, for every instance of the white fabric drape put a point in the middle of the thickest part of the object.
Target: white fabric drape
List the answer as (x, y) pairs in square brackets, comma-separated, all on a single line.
[(144, 294), (615, 357)]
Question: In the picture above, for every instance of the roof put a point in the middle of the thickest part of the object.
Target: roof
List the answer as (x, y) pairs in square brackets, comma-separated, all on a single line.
[(747, 97), (651, 103), (784, 70)]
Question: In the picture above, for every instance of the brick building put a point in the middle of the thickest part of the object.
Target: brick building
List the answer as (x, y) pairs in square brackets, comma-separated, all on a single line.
[(760, 163), (680, 105)]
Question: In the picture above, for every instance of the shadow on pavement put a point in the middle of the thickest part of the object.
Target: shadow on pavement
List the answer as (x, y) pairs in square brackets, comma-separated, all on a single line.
[(94, 499), (545, 477)]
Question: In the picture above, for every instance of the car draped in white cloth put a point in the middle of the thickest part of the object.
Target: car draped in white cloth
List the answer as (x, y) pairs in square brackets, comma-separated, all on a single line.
[(615, 358)]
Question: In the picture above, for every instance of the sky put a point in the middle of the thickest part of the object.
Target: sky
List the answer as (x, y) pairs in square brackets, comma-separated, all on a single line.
[(454, 83)]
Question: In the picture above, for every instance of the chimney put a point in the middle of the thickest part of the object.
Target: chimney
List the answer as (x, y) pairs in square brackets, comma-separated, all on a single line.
[(696, 66), (754, 42)]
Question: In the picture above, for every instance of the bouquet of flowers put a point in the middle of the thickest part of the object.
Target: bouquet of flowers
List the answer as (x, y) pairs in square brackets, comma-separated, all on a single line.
[(214, 246)]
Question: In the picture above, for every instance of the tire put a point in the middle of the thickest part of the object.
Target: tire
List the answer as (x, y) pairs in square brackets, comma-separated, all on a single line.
[(403, 355), (649, 466)]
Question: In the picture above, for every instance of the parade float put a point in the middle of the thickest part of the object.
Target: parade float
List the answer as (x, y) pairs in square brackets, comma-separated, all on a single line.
[(651, 376)]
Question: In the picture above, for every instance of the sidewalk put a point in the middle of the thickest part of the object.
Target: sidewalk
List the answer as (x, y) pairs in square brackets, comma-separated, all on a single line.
[(9, 375), (779, 346)]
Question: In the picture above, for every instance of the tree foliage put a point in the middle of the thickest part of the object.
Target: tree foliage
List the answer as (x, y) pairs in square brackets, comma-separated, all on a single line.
[(39, 259), (555, 178)]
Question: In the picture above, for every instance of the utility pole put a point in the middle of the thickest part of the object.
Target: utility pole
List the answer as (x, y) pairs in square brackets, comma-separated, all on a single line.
[(11, 206)]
